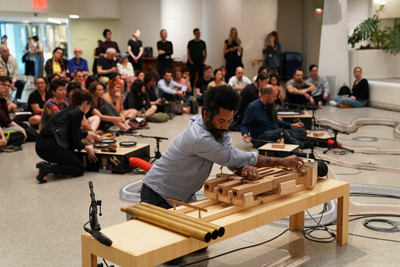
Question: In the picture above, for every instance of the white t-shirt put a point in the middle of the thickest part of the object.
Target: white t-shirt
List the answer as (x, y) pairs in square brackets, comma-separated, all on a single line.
[(234, 82), (128, 71)]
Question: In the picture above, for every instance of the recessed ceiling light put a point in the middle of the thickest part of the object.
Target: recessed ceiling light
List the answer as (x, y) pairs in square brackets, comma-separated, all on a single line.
[(54, 20), (74, 16), (25, 21), (318, 9)]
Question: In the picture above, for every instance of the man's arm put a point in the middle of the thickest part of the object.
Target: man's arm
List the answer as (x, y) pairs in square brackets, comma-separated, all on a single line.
[(291, 161), (14, 75), (163, 87), (22, 130), (188, 55), (205, 56), (179, 86)]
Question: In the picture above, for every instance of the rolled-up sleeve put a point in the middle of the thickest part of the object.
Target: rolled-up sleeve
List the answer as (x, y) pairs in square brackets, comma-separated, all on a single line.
[(223, 154)]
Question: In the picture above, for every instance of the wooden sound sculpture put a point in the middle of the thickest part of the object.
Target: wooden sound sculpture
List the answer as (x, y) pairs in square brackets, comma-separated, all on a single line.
[(234, 193)]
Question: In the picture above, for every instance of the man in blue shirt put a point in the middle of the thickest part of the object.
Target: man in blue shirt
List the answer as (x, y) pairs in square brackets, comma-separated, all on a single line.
[(188, 161), (262, 122), (78, 63), (168, 89)]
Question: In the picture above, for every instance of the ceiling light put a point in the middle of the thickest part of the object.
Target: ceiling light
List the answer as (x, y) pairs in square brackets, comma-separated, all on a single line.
[(318, 9), (382, 3), (74, 16), (54, 20), (25, 21)]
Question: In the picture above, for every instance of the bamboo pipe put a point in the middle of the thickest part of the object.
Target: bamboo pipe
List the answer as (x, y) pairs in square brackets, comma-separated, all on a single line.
[(214, 232), (220, 229), (167, 223)]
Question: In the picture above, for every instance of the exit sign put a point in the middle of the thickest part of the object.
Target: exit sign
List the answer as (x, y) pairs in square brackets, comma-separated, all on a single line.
[(39, 4)]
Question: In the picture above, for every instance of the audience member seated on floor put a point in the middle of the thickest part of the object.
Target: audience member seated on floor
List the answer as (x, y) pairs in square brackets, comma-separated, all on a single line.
[(250, 93), (139, 75), (177, 77), (113, 96), (5, 121), (262, 68), (125, 69), (168, 89), (89, 80), (186, 77), (217, 79), (261, 121), (61, 136), (274, 81), (37, 100), (239, 81), (108, 115), (321, 94), (223, 70), (150, 83), (9, 64), (78, 63), (298, 91), (11, 105), (359, 95), (56, 103), (57, 64), (139, 100), (79, 78), (106, 66), (104, 46), (202, 84), (91, 124)]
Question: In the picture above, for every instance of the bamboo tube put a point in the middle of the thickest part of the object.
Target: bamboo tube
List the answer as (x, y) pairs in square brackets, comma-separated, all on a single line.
[(214, 232), (167, 223), (220, 229)]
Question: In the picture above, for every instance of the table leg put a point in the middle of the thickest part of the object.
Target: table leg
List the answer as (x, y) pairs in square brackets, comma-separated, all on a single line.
[(88, 259), (296, 221), (342, 227)]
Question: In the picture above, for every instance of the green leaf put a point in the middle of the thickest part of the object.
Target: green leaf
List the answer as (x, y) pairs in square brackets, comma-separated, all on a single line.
[(391, 39), (364, 31)]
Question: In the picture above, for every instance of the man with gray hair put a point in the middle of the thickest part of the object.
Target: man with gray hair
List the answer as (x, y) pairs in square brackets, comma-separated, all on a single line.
[(106, 66), (78, 63), (9, 64), (261, 121)]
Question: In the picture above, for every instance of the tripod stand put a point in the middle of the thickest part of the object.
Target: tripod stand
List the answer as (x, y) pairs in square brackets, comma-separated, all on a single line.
[(335, 143)]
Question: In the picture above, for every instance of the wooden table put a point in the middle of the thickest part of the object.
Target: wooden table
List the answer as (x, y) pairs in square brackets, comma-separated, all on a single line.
[(305, 118), (269, 151), (137, 243)]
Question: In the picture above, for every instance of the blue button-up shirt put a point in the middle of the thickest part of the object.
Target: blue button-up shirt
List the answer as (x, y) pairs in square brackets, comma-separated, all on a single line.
[(164, 87), (187, 162), (72, 65)]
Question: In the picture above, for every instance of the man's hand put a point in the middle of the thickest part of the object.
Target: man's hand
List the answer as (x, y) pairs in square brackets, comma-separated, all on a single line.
[(293, 162), (297, 125), (249, 172), (345, 96), (325, 97), (307, 96), (312, 102), (180, 93), (3, 141), (113, 69), (246, 138), (91, 156)]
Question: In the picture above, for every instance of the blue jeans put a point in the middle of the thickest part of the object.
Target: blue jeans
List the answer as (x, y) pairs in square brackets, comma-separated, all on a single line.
[(349, 101), (291, 136), (151, 197)]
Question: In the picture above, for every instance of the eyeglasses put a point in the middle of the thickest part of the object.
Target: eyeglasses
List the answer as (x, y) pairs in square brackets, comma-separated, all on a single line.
[(5, 85), (61, 90), (79, 76)]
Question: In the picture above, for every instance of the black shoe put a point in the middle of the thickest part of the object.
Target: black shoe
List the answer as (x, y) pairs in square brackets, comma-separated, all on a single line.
[(44, 169)]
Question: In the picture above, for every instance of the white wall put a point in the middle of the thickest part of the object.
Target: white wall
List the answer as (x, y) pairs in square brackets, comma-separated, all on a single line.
[(391, 9)]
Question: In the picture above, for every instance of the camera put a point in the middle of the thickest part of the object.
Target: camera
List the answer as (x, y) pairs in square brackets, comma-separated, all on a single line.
[(163, 101), (34, 14)]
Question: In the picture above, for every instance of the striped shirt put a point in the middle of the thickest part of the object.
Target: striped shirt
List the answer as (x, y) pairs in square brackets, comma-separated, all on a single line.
[(52, 107)]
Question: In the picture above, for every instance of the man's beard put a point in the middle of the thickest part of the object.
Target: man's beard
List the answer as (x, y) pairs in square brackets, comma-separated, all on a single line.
[(271, 111), (217, 133)]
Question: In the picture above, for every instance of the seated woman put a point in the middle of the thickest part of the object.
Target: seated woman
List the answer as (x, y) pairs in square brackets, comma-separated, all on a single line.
[(358, 97), (61, 136), (90, 124), (139, 75), (56, 103), (89, 80), (114, 96), (274, 81), (138, 99), (125, 69), (37, 100), (186, 77), (150, 80), (106, 112), (217, 79), (57, 64)]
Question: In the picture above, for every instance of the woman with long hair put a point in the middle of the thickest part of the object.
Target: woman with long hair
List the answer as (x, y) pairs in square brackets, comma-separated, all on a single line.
[(114, 96), (274, 81), (272, 51), (138, 99), (233, 53)]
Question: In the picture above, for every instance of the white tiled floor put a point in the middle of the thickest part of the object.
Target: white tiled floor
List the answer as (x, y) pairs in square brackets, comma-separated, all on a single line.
[(41, 224)]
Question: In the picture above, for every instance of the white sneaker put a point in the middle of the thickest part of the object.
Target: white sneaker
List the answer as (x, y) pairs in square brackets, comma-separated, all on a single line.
[(333, 103)]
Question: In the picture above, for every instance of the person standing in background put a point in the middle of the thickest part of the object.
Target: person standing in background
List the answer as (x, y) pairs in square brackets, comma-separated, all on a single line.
[(135, 50), (197, 55), (108, 44), (272, 51), (96, 55), (4, 40), (233, 53), (39, 59), (165, 50), (29, 60)]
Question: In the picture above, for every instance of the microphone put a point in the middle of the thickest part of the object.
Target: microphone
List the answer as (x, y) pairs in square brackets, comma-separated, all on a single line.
[(329, 143), (100, 237)]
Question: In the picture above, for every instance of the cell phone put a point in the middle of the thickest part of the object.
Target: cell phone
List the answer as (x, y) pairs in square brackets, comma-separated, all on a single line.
[(163, 101)]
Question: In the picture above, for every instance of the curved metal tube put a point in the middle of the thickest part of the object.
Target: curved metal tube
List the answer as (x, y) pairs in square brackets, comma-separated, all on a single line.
[(354, 125)]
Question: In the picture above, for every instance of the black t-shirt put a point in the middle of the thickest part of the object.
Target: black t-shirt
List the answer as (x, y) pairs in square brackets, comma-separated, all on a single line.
[(202, 84), (167, 47), (152, 95), (361, 90), (135, 46), (196, 49), (36, 98), (106, 64), (137, 101), (247, 95)]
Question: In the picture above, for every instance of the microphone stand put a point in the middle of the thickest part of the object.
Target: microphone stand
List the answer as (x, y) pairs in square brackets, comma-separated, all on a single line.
[(335, 145)]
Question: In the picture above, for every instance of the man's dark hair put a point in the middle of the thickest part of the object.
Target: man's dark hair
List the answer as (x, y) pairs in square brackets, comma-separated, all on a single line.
[(105, 32), (5, 79), (262, 76), (4, 36), (207, 67), (195, 30), (73, 86), (186, 70), (78, 70), (298, 69), (57, 83), (167, 71), (312, 66), (262, 68), (40, 77), (222, 96)]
